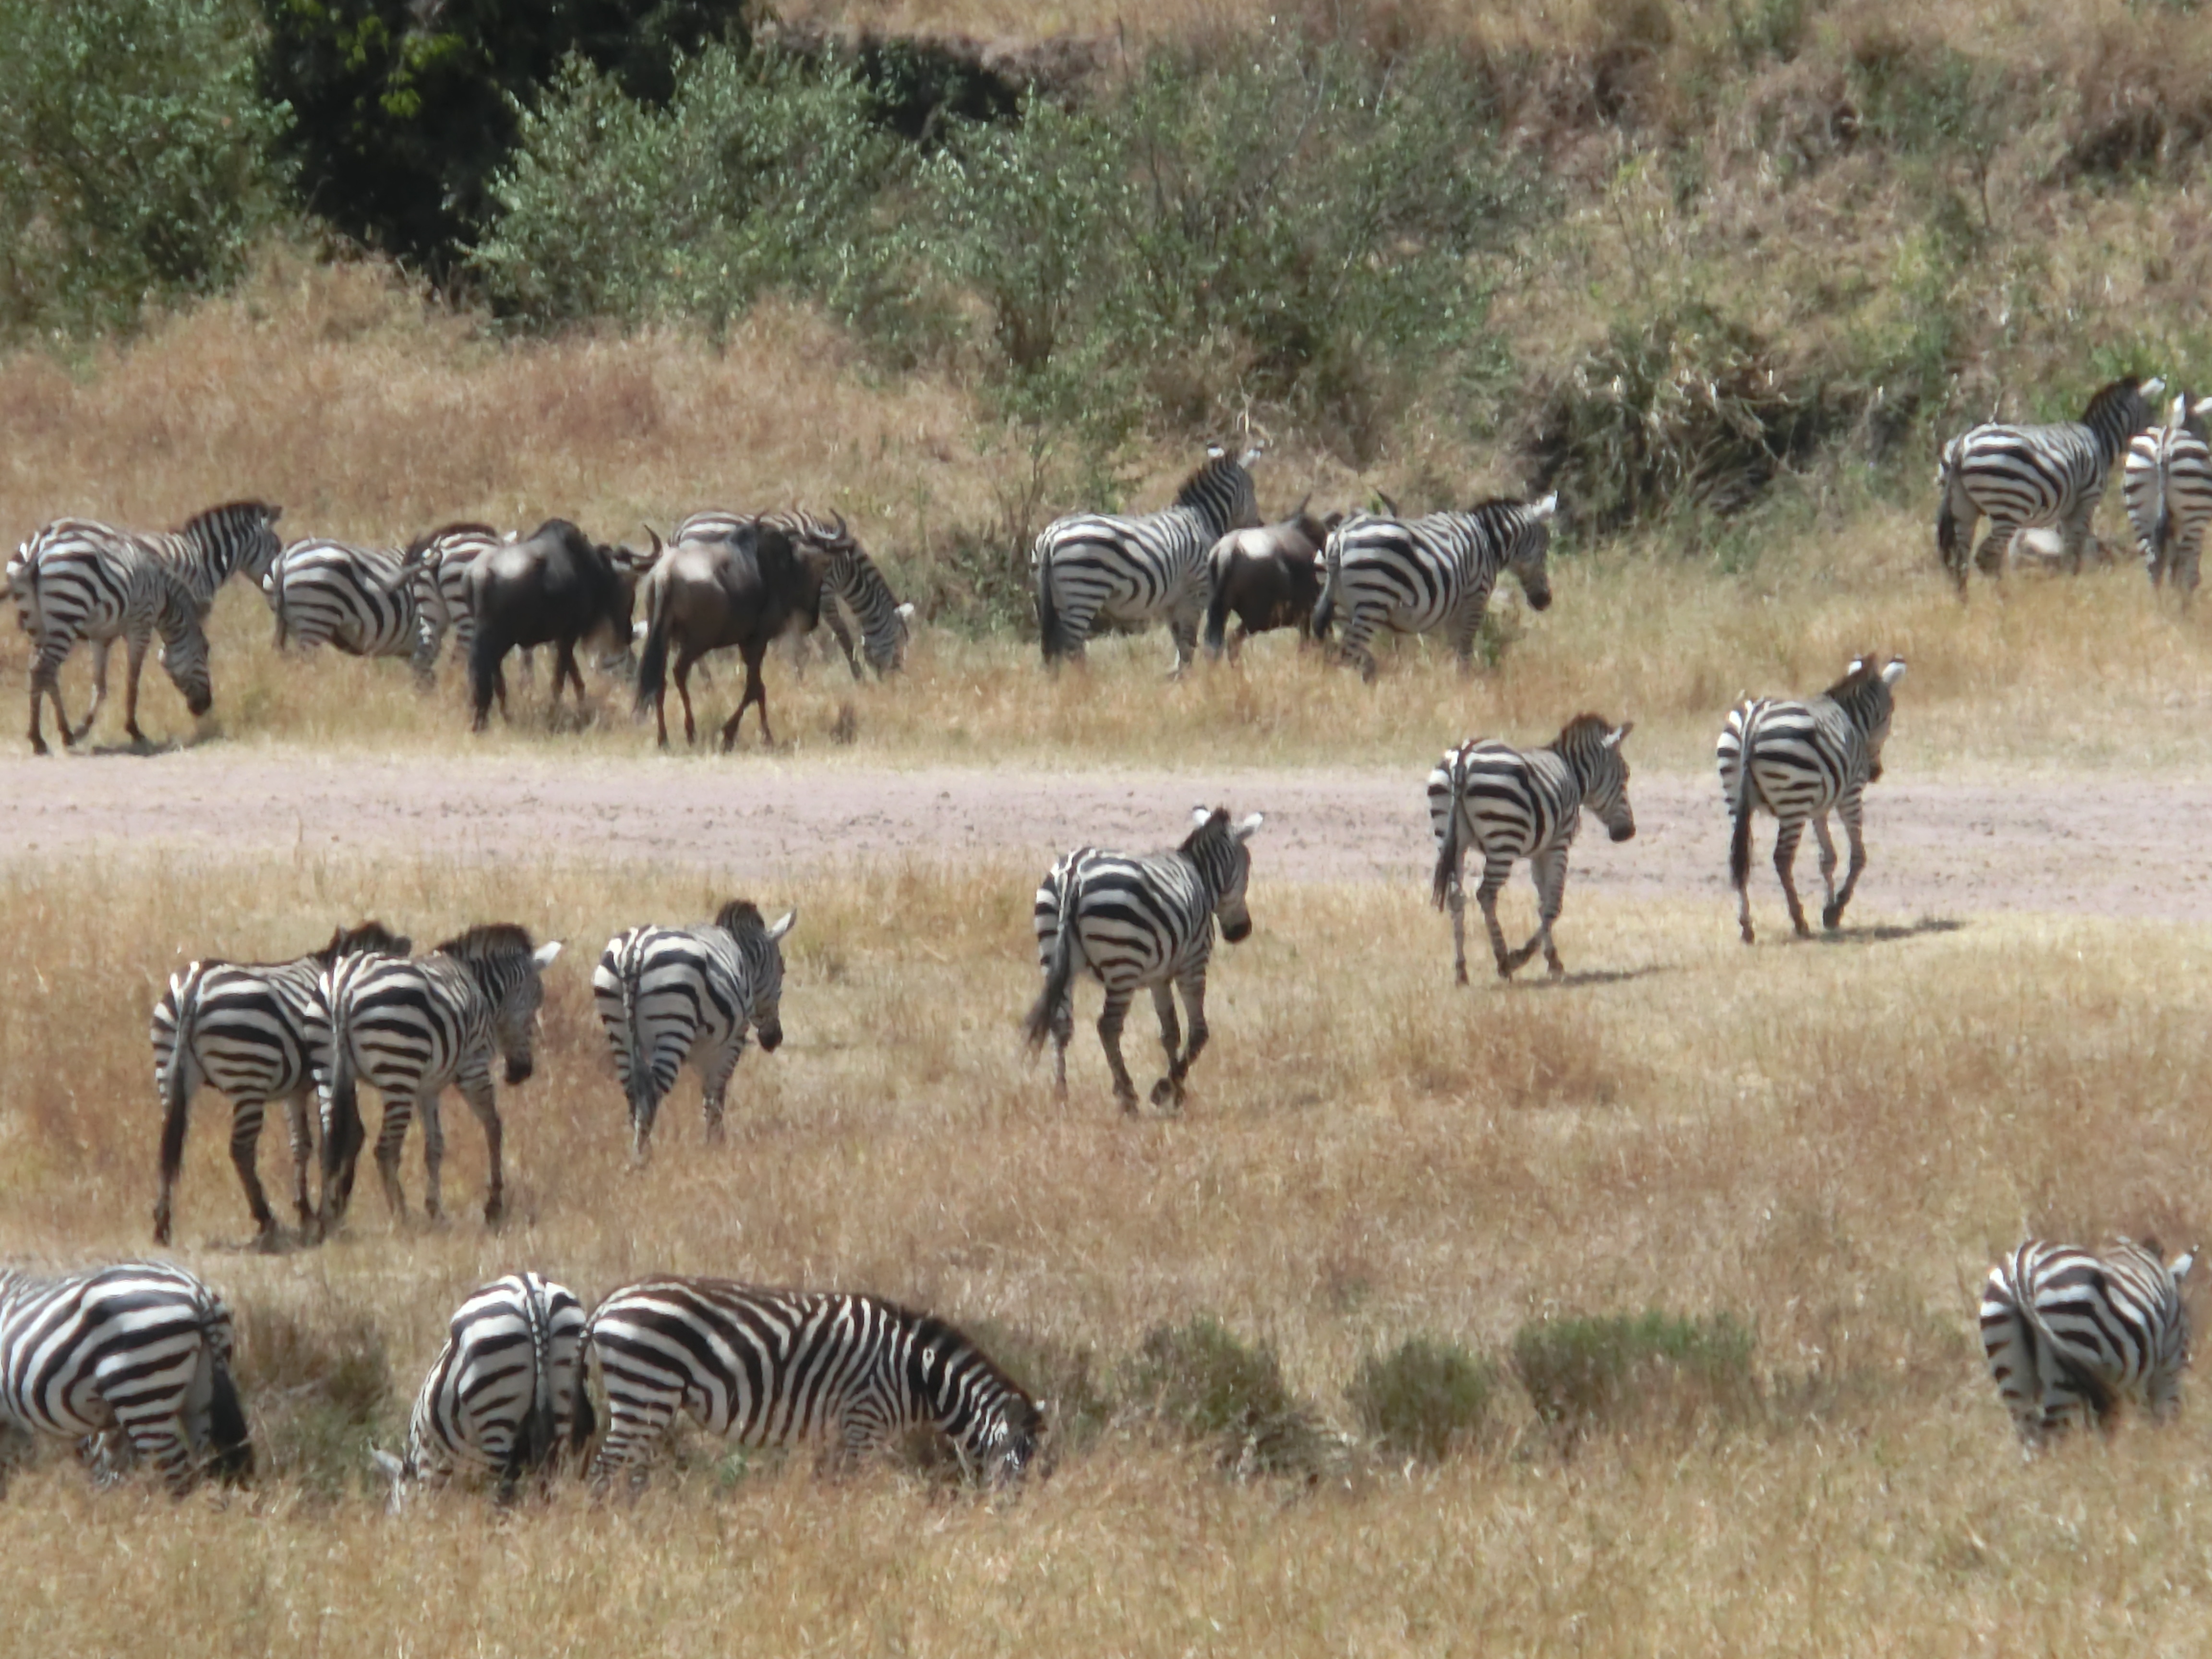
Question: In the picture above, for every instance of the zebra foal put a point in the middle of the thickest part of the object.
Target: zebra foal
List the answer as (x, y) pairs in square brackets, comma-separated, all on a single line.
[(1510, 803), (2167, 487), (2069, 1333), (787, 1368), (133, 1359), (505, 1393), (2028, 477), (253, 1030), (1800, 760), (1136, 922), (410, 1027), (1147, 568), (1419, 576)]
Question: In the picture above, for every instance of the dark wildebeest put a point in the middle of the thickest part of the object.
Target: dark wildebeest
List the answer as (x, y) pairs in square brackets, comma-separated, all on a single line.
[(744, 589), (1267, 577), (554, 588)]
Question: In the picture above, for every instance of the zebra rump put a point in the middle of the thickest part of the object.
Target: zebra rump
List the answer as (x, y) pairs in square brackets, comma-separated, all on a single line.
[(2069, 1332)]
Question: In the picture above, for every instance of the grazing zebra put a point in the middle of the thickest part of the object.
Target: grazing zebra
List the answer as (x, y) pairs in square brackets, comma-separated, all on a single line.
[(253, 1030), (1799, 760), (76, 581), (2168, 490), (2025, 475), (360, 599), (409, 1028), (846, 571), (668, 994), (1140, 569), (438, 563), (1135, 922), (132, 1361), (1511, 804), (1417, 576), (786, 1368), (2069, 1333), (504, 1392)]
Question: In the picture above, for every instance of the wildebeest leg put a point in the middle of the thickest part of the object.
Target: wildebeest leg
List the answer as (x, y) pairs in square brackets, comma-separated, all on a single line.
[(1848, 809), (1494, 871), (1785, 857), (70, 736), (1109, 1038), (134, 659), (1237, 640), (685, 658), (755, 691), (564, 668)]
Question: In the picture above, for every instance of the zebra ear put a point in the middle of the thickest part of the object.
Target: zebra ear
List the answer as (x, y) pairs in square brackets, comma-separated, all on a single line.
[(2153, 385), (1250, 828), (1542, 510), (1198, 815), (543, 955), (2182, 1264), (2202, 407), (1613, 737), (1894, 672), (906, 611), (790, 917)]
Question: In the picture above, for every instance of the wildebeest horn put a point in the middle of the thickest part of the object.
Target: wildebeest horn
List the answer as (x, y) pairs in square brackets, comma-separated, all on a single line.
[(658, 544), (843, 534)]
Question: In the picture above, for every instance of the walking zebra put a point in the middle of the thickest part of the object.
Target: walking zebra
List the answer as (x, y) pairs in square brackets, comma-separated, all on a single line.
[(1141, 569), (1417, 576), (2069, 1333), (668, 994), (844, 568), (134, 1359), (409, 1028), (504, 1392), (360, 599), (77, 579), (1133, 922), (784, 1368), (1800, 760), (1511, 804), (2168, 491), (253, 1030), (438, 563), (2024, 475)]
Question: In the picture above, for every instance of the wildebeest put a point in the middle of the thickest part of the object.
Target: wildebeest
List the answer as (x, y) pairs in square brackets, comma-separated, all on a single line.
[(744, 589), (1268, 578), (554, 588)]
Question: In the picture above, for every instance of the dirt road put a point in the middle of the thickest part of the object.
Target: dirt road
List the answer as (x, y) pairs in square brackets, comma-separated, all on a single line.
[(1938, 848)]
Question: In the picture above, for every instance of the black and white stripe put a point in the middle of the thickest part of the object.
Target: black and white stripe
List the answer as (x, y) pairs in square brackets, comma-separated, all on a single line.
[(504, 1394), (360, 599), (1142, 569), (2070, 1333), (134, 1359), (847, 573), (1800, 760), (2168, 490), (2022, 476), (253, 1030), (77, 579), (1509, 804), (409, 1028), (1418, 575), (1132, 922), (438, 563), (787, 1368), (668, 994)]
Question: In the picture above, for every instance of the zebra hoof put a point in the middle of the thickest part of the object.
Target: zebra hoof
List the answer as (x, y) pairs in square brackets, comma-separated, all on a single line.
[(1830, 916), (1459, 974), (1165, 1090), (1748, 937)]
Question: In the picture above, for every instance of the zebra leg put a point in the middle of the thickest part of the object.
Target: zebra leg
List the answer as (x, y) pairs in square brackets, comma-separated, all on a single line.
[(1848, 809), (1549, 871), (244, 1142), (478, 1091), (1785, 859), (1828, 860), (1194, 1003), (714, 1088), (1168, 1088), (1494, 871), (70, 738), (303, 1154), (134, 659), (154, 1423), (639, 1418), (1456, 898), (390, 1135), (1989, 558), (1182, 628), (1109, 1038)]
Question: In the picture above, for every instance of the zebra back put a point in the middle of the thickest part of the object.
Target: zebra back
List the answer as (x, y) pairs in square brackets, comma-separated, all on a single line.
[(2069, 1333)]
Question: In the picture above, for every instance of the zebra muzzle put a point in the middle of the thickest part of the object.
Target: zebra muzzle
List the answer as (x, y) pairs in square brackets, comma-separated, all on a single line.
[(1621, 831), (771, 1038), (519, 1070), (1236, 932)]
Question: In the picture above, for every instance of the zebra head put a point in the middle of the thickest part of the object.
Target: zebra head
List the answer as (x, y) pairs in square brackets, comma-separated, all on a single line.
[(1591, 748), (995, 1426), (1223, 857), (509, 971), (761, 947), (1531, 538), (1864, 694), (185, 646)]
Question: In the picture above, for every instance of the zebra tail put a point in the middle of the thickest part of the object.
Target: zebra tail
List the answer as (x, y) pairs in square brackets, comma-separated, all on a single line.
[(230, 1446), (276, 599), (180, 1077), (1048, 612), (2162, 519), (34, 611), (1946, 517), (631, 971), (1739, 841), (534, 1446), (1038, 1025), (342, 1128), (1448, 852)]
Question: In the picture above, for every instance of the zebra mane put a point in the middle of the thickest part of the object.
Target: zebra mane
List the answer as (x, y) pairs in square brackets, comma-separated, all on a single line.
[(1865, 667), (230, 510), (2113, 396), (424, 542), (488, 939), (372, 936), (1192, 491), (1583, 731), (740, 916)]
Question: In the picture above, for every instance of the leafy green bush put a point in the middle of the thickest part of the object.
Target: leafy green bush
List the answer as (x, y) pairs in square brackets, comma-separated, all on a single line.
[(1213, 1387), (1423, 1399), (1587, 1375), (137, 156)]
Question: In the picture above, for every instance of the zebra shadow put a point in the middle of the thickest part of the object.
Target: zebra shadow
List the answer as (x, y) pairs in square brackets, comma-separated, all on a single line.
[(1590, 977), (1890, 933)]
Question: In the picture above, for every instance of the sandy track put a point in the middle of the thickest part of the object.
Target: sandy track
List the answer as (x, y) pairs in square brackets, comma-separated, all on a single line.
[(1938, 848)]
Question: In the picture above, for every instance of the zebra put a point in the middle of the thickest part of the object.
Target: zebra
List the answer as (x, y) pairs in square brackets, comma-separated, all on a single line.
[(1799, 760), (1141, 569), (2168, 490), (2069, 1332), (253, 1030), (2026, 475), (76, 579), (784, 1368), (1417, 576), (360, 599), (1511, 804), (438, 563), (1135, 923), (668, 994), (503, 1394), (846, 571), (132, 1361), (410, 1027)]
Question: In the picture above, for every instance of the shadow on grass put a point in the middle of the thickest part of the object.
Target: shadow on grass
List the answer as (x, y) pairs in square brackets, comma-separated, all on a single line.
[(1886, 934), (1591, 976)]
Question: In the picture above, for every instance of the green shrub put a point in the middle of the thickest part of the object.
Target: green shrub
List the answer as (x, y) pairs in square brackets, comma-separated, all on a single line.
[(1423, 1399), (1588, 1375), (138, 157), (1212, 1387)]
